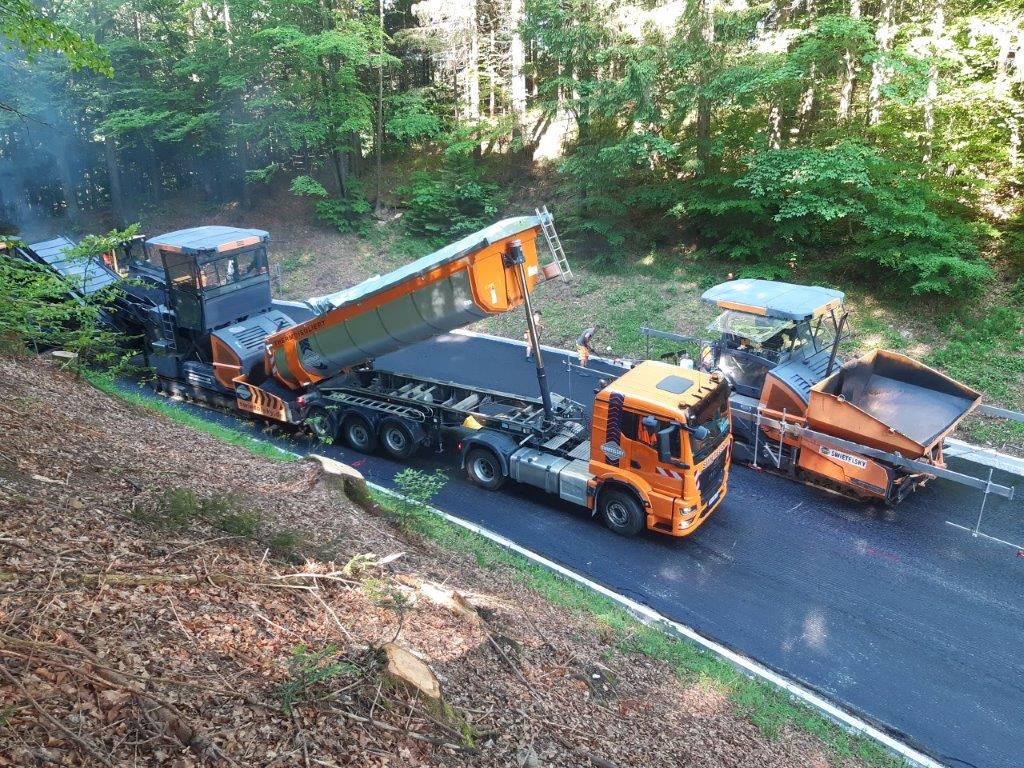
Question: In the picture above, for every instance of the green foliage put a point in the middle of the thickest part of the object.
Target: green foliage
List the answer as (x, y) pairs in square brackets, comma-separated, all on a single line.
[(172, 508), (226, 512), (36, 313), (346, 214), (412, 119), (263, 175), (91, 246), (417, 488), (182, 507), (24, 27), (286, 543), (310, 674), (985, 351), (845, 199), (449, 203)]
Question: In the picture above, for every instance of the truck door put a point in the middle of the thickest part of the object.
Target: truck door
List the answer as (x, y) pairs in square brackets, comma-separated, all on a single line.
[(640, 444)]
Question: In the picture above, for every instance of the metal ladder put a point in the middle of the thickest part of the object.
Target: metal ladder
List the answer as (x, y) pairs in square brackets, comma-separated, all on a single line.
[(547, 226)]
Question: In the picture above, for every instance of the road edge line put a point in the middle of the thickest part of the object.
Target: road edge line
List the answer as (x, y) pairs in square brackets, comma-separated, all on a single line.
[(650, 617)]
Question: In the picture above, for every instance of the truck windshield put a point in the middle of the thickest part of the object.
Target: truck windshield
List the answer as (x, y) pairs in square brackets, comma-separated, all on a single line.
[(712, 414)]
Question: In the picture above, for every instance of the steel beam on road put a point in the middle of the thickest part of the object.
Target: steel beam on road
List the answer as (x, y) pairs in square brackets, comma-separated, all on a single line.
[(1000, 413), (986, 486)]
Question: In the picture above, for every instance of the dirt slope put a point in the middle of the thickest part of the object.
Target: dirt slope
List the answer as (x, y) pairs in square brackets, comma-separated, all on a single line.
[(134, 632)]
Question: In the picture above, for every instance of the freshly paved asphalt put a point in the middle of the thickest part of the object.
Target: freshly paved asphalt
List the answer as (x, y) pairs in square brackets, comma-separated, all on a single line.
[(900, 617)]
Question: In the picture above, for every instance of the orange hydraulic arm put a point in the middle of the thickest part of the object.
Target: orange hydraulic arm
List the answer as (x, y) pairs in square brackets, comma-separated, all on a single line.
[(448, 289)]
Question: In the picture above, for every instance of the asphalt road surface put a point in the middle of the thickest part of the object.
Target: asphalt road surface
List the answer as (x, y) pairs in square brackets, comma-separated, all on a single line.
[(895, 614)]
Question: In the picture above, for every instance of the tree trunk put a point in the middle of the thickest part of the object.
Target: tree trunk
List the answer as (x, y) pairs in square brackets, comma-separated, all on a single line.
[(703, 125), (340, 172), (805, 109), (849, 73), (379, 142), (932, 90), (490, 77), (775, 128), (879, 71), (114, 177), (517, 59), (473, 65), (1014, 149)]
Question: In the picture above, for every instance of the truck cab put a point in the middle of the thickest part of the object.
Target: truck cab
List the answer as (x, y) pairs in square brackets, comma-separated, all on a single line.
[(660, 434)]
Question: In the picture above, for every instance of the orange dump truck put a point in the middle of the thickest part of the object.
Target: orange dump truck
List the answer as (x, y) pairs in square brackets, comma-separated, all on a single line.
[(654, 456), (873, 428)]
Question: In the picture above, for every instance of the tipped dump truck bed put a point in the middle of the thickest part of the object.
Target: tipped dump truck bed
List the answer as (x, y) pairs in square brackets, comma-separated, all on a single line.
[(450, 288), (891, 402)]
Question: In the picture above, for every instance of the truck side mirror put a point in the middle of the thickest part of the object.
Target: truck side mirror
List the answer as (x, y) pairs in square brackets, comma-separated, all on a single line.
[(665, 443)]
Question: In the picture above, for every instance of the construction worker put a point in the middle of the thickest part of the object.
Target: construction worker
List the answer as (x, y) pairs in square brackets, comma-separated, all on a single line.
[(537, 315), (584, 344), (648, 431)]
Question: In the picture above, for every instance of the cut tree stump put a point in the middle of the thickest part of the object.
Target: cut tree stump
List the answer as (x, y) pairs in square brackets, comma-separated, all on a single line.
[(343, 478), (406, 668)]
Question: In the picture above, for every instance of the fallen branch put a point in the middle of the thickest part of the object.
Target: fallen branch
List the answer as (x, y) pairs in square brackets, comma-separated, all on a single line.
[(411, 734), (138, 579), (160, 712), (79, 740)]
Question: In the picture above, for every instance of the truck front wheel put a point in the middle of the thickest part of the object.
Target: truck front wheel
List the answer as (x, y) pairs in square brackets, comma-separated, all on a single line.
[(484, 469), (358, 434), (622, 512)]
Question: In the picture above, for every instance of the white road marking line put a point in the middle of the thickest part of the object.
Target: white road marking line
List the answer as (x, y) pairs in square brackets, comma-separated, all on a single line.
[(985, 535)]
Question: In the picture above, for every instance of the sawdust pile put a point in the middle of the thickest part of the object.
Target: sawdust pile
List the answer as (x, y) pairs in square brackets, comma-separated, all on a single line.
[(166, 599)]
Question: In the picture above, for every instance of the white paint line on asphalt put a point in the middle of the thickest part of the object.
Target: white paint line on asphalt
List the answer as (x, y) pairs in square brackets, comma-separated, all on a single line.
[(954, 447), (971, 531), (652, 618)]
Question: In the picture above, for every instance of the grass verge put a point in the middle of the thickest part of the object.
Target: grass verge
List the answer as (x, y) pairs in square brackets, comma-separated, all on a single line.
[(180, 415), (767, 707)]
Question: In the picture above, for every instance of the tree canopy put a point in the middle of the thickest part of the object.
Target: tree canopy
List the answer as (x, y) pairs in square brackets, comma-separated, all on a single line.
[(875, 137)]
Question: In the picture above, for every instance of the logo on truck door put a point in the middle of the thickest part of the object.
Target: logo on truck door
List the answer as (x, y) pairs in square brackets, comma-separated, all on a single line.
[(846, 458)]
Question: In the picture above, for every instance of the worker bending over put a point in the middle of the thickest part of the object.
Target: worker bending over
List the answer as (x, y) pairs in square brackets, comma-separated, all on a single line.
[(584, 344)]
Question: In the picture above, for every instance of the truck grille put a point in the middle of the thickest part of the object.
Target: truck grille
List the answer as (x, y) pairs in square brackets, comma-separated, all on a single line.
[(710, 478)]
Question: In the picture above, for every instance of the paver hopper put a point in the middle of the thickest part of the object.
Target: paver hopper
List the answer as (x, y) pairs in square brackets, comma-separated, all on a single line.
[(890, 402)]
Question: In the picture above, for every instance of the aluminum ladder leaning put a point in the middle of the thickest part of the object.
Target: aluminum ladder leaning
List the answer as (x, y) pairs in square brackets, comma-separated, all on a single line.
[(547, 226)]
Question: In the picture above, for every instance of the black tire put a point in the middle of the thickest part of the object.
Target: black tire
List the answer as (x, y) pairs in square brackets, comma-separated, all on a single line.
[(484, 469), (359, 435), (397, 439), (323, 423), (622, 512)]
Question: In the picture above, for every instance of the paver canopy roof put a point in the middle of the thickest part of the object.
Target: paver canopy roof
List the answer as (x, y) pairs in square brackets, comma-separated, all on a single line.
[(774, 299), (209, 238)]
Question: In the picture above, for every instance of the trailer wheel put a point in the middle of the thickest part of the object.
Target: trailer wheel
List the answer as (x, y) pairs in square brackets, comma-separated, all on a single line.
[(622, 512), (358, 434), (323, 423), (397, 439), (484, 469)]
